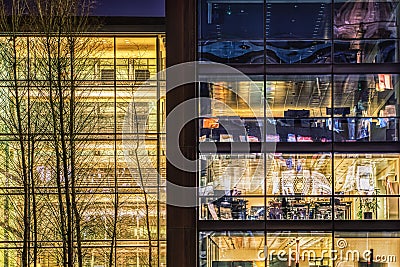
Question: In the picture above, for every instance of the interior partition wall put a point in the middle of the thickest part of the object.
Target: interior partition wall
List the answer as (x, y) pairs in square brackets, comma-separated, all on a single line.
[(121, 214), (324, 91)]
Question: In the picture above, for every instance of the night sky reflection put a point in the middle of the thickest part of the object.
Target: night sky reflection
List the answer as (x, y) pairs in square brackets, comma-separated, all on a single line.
[(135, 8)]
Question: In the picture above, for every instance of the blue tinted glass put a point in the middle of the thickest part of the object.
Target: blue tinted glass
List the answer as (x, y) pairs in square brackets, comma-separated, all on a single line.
[(298, 20), (231, 21), (365, 51), (288, 52), (231, 32)]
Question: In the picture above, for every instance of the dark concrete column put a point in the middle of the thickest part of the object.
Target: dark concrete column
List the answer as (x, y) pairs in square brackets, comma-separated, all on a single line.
[(181, 27)]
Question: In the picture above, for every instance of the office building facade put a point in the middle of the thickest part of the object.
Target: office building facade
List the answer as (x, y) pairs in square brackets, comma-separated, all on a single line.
[(298, 159), (75, 131)]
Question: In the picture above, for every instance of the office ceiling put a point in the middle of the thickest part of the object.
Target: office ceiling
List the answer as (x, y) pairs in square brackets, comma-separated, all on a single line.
[(247, 172), (278, 241), (309, 92)]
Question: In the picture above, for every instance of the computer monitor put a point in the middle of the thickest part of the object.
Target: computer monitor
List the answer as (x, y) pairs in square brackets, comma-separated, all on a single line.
[(338, 111), (293, 113)]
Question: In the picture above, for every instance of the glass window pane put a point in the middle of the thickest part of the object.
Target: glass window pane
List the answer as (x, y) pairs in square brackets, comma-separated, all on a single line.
[(283, 20), (231, 32), (366, 95), (231, 186), (232, 109), (298, 51), (369, 184), (233, 248), (299, 248), (365, 19), (300, 174), (380, 248), (366, 51), (136, 59), (311, 93)]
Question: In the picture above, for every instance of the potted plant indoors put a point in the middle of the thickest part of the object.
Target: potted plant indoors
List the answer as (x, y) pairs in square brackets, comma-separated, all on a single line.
[(367, 206)]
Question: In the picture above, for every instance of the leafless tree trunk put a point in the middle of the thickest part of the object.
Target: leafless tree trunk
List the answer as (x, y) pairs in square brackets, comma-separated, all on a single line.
[(17, 121), (57, 52), (63, 24), (142, 182)]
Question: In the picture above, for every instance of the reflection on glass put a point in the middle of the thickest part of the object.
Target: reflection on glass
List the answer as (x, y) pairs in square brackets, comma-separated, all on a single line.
[(232, 96), (369, 176), (231, 32), (230, 20), (357, 174), (299, 187), (283, 20), (246, 51), (355, 129), (365, 19), (317, 129), (231, 110), (231, 187), (298, 51), (366, 51), (366, 95)]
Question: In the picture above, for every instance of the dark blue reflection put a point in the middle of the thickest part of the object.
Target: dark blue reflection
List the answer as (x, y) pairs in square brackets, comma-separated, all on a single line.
[(298, 52), (231, 21), (298, 20), (232, 51), (296, 32), (277, 52), (361, 51), (224, 20)]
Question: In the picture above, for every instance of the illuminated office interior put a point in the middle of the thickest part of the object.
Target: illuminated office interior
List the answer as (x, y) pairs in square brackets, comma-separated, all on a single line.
[(315, 165), (120, 213)]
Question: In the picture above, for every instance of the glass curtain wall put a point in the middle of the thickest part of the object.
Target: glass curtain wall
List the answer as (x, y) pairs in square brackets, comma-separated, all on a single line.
[(318, 31), (321, 72), (293, 186), (69, 159), (301, 248)]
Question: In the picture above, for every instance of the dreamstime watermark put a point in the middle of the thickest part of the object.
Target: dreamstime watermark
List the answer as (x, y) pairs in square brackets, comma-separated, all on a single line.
[(141, 119), (340, 254)]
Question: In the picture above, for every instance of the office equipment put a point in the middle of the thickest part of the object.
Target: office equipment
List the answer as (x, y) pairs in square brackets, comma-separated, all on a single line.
[(293, 113), (338, 111)]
